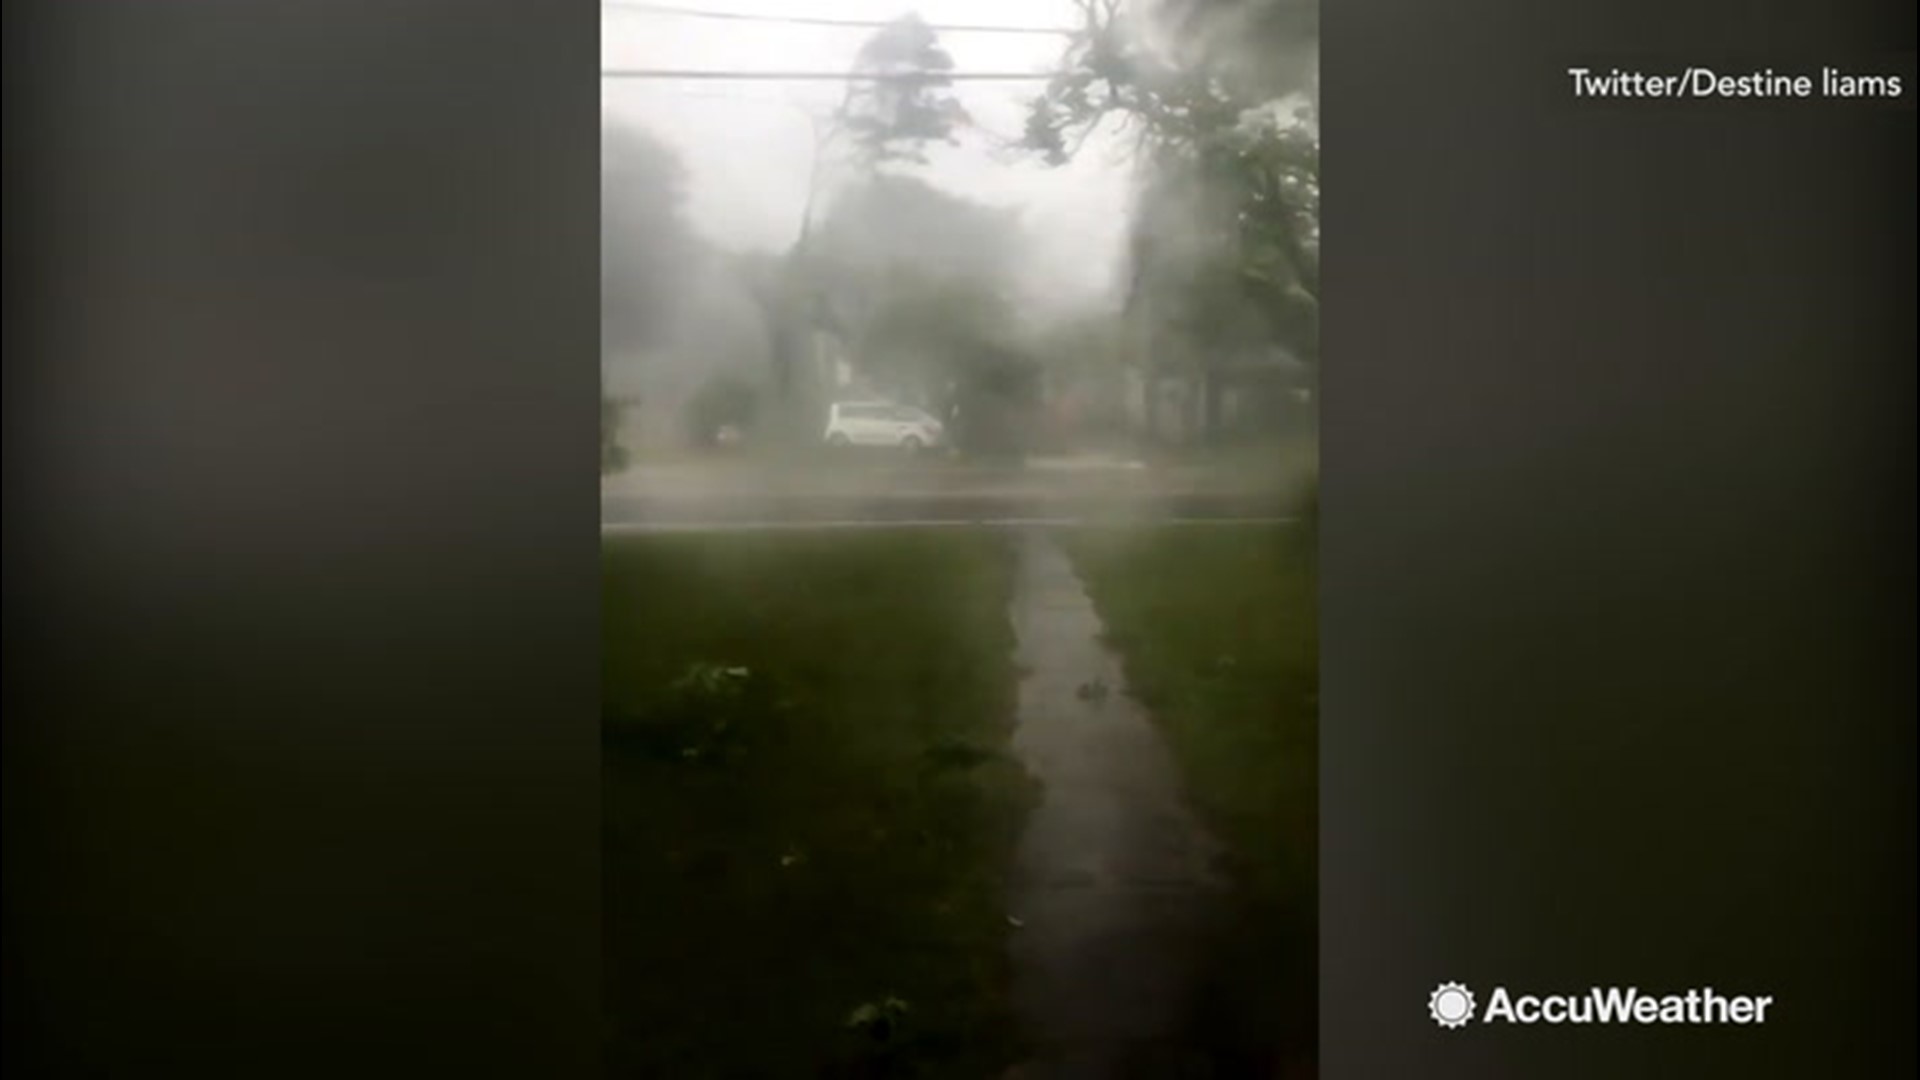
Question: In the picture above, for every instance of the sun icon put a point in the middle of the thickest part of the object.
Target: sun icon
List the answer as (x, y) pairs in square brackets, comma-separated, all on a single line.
[(1451, 1005)]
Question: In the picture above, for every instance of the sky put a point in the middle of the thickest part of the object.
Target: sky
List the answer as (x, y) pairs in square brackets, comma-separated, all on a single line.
[(748, 145)]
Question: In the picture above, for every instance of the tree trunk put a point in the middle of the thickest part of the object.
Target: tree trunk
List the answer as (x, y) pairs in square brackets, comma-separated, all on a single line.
[(1212, 386), (1150, 405)]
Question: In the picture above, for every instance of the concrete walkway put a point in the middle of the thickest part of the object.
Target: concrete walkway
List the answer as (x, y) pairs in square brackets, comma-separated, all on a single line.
[(1113, 884)]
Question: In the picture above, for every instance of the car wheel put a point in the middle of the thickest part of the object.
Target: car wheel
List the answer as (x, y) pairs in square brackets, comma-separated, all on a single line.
[(912, 444)]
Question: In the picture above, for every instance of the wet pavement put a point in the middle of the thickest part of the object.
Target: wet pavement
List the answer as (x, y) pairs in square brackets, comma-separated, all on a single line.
[(1052, 491), (746, 511), (1113, 886), (887, 474)]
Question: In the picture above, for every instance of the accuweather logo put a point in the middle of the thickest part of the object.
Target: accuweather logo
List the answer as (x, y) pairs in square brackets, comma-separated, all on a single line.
[(1452, 1006)]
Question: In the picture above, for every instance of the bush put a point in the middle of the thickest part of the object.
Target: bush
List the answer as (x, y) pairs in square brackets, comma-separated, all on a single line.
[(702, 717), (725, 401)]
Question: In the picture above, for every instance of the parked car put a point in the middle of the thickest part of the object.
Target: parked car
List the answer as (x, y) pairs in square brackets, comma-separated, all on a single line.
[(880, 423)]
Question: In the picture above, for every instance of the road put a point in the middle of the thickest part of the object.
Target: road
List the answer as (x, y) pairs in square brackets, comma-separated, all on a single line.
[(641, 513), (691, 496), (738, 494)]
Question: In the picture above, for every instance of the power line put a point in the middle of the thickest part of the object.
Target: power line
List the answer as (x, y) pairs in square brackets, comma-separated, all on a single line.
[(818, 20), (1002, 143), (842, 76), (705, 96)]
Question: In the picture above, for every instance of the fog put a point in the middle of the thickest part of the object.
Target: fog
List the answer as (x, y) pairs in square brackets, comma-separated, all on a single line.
[(749, 146), (1102, 253), (981, 371)]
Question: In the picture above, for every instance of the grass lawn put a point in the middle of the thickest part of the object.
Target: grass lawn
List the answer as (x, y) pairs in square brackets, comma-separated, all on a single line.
[(809, 806), (1217, 627)]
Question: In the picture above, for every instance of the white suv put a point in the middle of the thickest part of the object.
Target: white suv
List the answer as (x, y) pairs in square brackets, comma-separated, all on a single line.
[(879, 423)]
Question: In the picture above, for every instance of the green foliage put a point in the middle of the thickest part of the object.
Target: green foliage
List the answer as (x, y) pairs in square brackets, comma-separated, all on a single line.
[(702, 717), (908, 275), (891, 120), (1085, 358), (878, 1019), (783, 290), (928, 329), (722, 401), (1230, 149), (958, 752), (1256, 49), (1083, 344)]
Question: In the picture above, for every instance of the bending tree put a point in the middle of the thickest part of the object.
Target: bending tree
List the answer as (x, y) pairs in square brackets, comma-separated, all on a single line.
[(899, 99), (1218, 99)]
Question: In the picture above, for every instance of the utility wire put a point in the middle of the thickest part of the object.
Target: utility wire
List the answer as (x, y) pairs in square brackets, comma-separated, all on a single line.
[(818, 20), (998, 145)]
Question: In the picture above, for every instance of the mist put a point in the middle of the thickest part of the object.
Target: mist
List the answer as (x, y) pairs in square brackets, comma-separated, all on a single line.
[(1086, 265), (958, 538)]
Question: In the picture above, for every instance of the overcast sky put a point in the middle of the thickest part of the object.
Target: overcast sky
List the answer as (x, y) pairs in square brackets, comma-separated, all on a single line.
[(748, 146)]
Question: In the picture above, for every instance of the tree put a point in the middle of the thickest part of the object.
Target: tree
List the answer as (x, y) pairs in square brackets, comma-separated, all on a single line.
[(723, 401), (1215, 109), (903, 269), (644, 239), (1218, 98), (1172, 68), (911, 278), (927, 329), (901, 98)]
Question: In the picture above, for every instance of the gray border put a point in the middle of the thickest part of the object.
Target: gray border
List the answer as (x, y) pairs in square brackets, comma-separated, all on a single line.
[(1617, 606), (301, 566)]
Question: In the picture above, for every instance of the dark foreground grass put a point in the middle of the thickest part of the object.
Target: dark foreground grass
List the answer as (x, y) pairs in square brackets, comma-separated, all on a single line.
[(1217, 629), (809, 808)]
